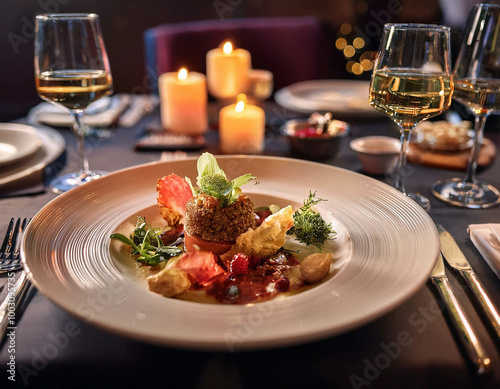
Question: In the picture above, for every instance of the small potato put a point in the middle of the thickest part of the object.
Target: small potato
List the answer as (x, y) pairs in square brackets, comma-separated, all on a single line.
[(315, 266), (169, 282)]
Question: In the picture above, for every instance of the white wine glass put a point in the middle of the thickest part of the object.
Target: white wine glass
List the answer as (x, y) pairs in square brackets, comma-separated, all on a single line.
[(72, 71), (477, 87), (411, 82)]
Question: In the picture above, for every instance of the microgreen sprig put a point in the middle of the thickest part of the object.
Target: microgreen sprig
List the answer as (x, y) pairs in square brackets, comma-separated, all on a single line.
[(147, 244), (309, 226), (212, 181)]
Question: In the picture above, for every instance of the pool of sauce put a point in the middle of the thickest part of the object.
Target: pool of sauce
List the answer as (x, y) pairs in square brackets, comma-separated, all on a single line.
[(272, 276)]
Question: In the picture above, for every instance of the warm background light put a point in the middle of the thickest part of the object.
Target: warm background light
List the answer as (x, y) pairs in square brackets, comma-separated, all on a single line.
[(345, 28), (340, 43), (240, 106), (183, 73), (227, 71), (183, 102), (241, 128), (227, 48), (354, 45), (358, 43), (349, 51)]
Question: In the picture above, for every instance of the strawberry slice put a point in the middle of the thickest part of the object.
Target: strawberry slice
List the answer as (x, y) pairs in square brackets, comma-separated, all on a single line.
[(173, 194), (200, 265)]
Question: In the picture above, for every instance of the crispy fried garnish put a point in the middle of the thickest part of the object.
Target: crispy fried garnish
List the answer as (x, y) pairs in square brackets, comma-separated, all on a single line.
[(266, 239)]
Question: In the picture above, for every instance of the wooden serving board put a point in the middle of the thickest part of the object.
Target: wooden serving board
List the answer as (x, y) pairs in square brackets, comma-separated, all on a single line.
[(451, 159)]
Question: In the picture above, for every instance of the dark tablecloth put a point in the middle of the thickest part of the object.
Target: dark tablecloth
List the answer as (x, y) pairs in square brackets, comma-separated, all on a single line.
[(410, 347)]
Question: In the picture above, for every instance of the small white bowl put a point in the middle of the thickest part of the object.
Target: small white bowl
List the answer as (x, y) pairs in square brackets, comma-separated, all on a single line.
[(377, 154)]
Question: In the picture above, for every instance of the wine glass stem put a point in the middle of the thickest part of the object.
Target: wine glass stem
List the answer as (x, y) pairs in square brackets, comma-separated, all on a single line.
[(405, 139), (79, 131), (470, 174)]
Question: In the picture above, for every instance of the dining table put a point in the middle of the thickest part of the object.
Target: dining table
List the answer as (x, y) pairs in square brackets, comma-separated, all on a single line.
[(413, 345)]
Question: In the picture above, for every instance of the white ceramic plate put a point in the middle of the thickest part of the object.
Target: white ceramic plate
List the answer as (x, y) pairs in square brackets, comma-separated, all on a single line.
[(52, 146), (69, 257), (348, 97), (17, 141)]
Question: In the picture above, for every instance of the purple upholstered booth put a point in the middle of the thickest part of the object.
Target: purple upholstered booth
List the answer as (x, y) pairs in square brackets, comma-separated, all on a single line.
[(290, 47)]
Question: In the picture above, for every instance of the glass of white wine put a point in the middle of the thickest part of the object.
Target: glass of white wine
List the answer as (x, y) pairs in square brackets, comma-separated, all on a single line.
[(411, 82), (477, 87), (72, 71)]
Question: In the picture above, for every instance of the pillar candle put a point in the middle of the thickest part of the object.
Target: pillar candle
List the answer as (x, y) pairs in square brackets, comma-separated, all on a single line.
[(227, 71), (241, 128), (183, 97)]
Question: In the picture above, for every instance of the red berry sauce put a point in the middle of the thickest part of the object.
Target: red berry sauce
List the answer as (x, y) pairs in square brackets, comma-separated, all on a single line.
[(232, 288)]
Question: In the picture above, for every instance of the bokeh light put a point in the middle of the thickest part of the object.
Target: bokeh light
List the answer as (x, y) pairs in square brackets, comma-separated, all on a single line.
[(349, 65), (362, 7), (358, 43), (349, 51), (340, 43), (345, 28), (366, 64), (357, 69), (365, 55)]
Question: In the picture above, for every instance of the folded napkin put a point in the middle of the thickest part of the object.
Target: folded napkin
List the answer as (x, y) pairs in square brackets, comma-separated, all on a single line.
[(139, 106), (102, 113), (486, 238)]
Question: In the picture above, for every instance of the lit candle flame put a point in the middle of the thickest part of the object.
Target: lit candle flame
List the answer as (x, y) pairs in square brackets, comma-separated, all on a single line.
[(227, 48), (240, 105), (183, 73)]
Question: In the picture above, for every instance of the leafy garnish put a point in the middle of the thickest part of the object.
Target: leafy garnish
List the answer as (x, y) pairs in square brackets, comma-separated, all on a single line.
[(212, 181), (147, 244), (215, 185), (206, 165), (309, 227)]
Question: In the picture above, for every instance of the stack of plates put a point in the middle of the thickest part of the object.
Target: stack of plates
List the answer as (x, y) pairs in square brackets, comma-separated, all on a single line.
[(25, 152)]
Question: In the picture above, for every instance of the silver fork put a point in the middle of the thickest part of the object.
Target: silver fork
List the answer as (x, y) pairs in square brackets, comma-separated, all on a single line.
[(7, 242), (10, 261)]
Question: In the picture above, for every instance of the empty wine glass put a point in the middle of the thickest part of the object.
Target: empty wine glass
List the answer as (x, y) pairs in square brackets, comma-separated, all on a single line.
[(477, 87), (72, 70), (411, 82)]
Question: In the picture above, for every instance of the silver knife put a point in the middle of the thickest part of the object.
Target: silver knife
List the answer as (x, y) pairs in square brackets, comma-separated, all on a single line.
[(456, 259), (470, 342)]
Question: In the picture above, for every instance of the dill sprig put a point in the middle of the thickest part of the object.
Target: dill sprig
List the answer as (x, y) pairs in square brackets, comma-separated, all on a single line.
[(309, 227)]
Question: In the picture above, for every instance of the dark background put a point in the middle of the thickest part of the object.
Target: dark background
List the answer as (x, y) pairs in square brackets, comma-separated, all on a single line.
[(124, 22)]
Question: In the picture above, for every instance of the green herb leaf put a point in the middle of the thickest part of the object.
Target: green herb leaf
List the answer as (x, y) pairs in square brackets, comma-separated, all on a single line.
[(216, 185), (193, 190), (242, 180), (309, 227), (206, 165), (146, 243), (124, 239), (213, 181)]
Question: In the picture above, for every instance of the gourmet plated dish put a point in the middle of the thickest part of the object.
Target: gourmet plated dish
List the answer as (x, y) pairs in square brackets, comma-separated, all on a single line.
[(215, 246)]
